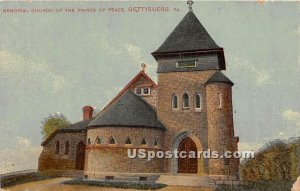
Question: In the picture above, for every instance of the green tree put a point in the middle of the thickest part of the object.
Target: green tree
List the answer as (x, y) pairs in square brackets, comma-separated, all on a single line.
[(276, 161), (53, 122)]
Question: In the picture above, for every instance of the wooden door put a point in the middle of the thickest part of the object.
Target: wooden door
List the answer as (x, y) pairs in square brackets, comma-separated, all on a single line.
[(187, 165), (80, 156)]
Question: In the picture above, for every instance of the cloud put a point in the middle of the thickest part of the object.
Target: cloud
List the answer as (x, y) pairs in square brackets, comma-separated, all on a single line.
[(297, 31), (292, 116), (59, 82), (298, 66), (249, 146), (262, 77), (23, 141), (257, 74), (16, 70), (134, 53), (19, 154)]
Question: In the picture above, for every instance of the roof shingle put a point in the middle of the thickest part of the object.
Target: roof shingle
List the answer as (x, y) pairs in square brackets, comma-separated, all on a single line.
[(188, 35), (129, 110), (77, 127), (219, 77)]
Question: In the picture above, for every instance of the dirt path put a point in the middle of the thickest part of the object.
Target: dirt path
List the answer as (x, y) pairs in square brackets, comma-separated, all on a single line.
[(54, 185)]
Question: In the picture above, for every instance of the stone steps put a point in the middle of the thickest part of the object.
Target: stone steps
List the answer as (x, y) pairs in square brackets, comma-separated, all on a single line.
[(186, 180)]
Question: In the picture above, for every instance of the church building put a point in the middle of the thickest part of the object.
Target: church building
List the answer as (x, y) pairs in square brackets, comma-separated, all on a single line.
[(188, 109)]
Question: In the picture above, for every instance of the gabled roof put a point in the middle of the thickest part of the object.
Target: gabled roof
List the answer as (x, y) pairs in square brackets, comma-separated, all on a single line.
[(129, 110), (189, 35), (130, 85), (219, 77), (73, 128)]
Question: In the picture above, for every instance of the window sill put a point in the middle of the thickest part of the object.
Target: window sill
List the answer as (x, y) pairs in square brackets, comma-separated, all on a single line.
[(198, 110), (143, 95)]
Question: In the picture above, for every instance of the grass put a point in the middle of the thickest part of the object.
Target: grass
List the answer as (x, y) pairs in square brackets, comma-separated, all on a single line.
[(15, 180), (126, 185), (259, 186)]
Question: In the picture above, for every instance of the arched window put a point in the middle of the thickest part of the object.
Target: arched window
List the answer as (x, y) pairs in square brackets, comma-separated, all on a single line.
[(57, 148), (67, 148), (220, 100), (185, 101), (112, 141), (174, 101), (98, 141), (155, 143), (143, 141), (198, 101), (128, 141), (89, 141)]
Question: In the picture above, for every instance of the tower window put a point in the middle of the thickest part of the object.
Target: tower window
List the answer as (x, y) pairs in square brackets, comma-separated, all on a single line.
[(174, 101), (98, 141), (67, 148), (198, 101), (89, 141), (186, 64), (186, 100), (57, 148), (220, 100)]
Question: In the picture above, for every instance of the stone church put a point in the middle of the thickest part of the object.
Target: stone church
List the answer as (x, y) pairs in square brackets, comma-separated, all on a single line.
[(188, 109)]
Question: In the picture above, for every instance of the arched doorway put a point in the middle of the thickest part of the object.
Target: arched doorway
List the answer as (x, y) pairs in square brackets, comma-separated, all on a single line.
[(80, 156), (187, 165)]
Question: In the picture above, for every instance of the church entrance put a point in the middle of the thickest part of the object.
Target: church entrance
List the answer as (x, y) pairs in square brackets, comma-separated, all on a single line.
[(80, 155), (187, 165)]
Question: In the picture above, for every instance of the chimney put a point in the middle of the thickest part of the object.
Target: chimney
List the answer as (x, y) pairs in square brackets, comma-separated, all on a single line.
[(87, 112)]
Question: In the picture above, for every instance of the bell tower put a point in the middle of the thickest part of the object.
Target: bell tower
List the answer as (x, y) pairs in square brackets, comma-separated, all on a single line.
[(194, 97)]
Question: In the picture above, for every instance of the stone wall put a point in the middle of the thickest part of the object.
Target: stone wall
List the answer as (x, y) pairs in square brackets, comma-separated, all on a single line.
[(194, 123), (57, 163), (114, 159), (183, 120), (220, 128), (107, 157)]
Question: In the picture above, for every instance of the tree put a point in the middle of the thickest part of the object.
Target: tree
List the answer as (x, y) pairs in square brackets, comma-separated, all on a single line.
[(276, 161), (53, 122)]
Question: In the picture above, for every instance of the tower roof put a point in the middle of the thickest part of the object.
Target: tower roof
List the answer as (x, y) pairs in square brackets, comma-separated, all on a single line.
[(219, 77), (129, 110), (188, 35)]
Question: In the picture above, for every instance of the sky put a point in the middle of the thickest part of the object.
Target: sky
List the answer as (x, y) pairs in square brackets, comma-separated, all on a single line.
[(59, 62)]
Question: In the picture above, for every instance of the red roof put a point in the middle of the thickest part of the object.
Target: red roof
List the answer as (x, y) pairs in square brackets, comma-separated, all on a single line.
[(130, 85)]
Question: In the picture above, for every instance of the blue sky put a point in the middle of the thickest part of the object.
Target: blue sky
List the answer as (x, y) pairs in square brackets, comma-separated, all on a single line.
[(59, 62)]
